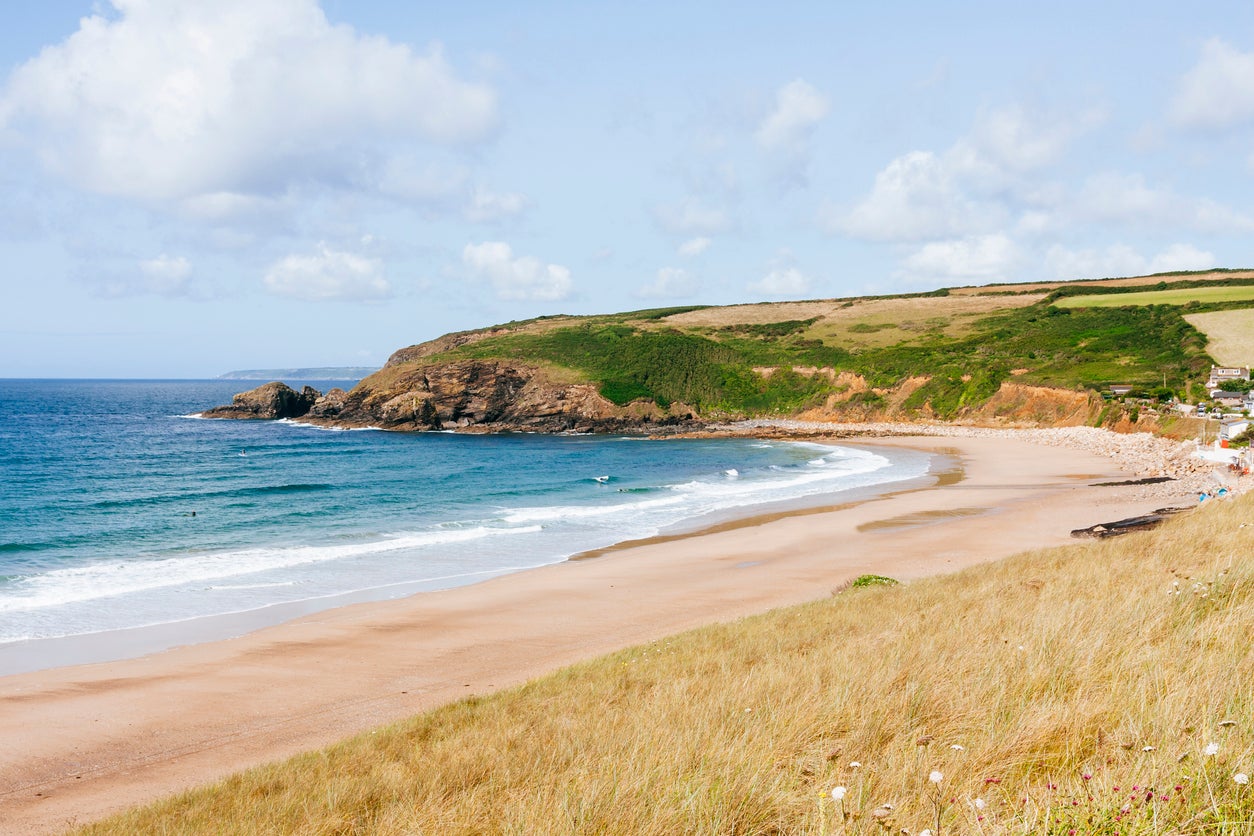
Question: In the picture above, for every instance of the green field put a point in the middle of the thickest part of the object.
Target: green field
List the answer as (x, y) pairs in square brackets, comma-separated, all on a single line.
[(1175, 296)]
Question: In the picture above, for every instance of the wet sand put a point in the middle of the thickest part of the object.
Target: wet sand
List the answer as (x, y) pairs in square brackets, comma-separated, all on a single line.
[(80, 742)]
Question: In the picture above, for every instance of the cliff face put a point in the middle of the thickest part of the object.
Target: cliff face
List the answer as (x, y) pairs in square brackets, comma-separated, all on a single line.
[(483, 395), (497, 396)]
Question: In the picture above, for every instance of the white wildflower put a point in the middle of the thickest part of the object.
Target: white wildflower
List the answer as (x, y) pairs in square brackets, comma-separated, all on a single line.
[(855, 764), (958, 747), (838, 793), (1147, 748), (936, 777), (979, 803), (1212, 749), (1241, 778)]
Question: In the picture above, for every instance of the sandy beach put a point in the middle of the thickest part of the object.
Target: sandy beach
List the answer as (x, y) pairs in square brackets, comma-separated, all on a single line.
[(78, 743)]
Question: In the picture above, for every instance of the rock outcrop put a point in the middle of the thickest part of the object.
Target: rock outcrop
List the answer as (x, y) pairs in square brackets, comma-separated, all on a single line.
[(467, 395), (487, 396), (269, 401)]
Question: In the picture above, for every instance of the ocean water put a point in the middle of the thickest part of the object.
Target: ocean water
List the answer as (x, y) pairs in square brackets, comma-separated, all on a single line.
[(120, 509)]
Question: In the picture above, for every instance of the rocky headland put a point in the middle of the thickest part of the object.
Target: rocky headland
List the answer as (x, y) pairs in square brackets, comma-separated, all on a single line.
[(466, 395)]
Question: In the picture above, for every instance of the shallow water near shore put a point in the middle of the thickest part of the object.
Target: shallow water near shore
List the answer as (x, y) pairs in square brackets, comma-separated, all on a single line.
[(120, 510)]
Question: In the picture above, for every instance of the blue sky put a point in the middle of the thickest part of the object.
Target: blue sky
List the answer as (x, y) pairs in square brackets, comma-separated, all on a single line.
[(188, 188)]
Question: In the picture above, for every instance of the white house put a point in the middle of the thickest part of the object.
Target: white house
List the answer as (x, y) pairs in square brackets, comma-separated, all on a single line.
[(1233, 427), (1219, 375)]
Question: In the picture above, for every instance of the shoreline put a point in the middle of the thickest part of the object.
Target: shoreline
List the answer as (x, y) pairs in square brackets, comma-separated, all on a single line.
[(78, 743), (122, 643), (947, 473)]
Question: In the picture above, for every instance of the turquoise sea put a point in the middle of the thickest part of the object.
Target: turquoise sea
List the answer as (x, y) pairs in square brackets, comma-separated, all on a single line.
[(120, 509)]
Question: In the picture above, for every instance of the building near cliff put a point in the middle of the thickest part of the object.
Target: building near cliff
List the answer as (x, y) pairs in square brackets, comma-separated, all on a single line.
[(1232, 428), (1219, 375)]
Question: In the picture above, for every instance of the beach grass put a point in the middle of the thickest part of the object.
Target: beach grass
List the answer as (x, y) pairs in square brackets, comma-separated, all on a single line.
[(1100, 688)]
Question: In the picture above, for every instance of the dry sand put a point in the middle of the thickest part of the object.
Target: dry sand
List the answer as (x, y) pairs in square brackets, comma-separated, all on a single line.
[(78, 743)]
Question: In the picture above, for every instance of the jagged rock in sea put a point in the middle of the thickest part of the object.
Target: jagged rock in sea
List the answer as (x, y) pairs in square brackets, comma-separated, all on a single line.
[(272, 400)]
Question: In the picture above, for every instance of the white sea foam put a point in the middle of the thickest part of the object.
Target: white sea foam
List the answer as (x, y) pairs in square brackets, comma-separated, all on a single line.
[(107, 579), (442, 548), (730, 488), (560, 512), (294, 422)]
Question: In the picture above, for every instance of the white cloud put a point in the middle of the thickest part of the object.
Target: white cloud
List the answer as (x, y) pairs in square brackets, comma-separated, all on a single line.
[(671, 283), (1181, 257), (916, 197), (975, 258), (975, 187), (782, 281), (178, 99), (1127, 198), (485, 206), (694, 247), (1020, 140), (691, 216), (165, 274), (328, 275), (798, 110), (524, 277), (1218, 92), (1122, 260)]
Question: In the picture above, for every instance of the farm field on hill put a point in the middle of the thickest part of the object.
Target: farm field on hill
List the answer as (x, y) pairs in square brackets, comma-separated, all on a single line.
[(1131, 281), (1229, 335), (1175, 296), (863, 323)]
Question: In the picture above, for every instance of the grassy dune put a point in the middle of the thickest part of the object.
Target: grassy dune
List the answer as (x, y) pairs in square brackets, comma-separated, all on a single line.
[(1101, 688)]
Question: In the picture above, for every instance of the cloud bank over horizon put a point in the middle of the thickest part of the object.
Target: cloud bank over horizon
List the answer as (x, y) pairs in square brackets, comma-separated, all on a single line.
[(392, 172)]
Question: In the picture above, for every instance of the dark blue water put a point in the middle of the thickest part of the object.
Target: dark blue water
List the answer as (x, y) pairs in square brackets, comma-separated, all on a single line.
[(120, 509)]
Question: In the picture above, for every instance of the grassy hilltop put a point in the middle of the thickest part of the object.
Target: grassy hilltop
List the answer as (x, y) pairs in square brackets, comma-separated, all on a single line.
[(936, 355), (1097, 689)]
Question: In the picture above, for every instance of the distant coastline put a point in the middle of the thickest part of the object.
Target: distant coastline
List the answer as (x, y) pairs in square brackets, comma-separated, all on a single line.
[(326, 373)]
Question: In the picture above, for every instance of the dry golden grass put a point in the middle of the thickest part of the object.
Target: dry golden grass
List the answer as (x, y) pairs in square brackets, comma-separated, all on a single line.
[(1075, 690), (1131, 281), (758, 314), (1229, 335), (860, 322), (882, 322)]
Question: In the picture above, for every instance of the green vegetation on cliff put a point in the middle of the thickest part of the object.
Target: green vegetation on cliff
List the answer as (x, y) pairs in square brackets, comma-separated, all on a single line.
[(788, 365), (947, 354)]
